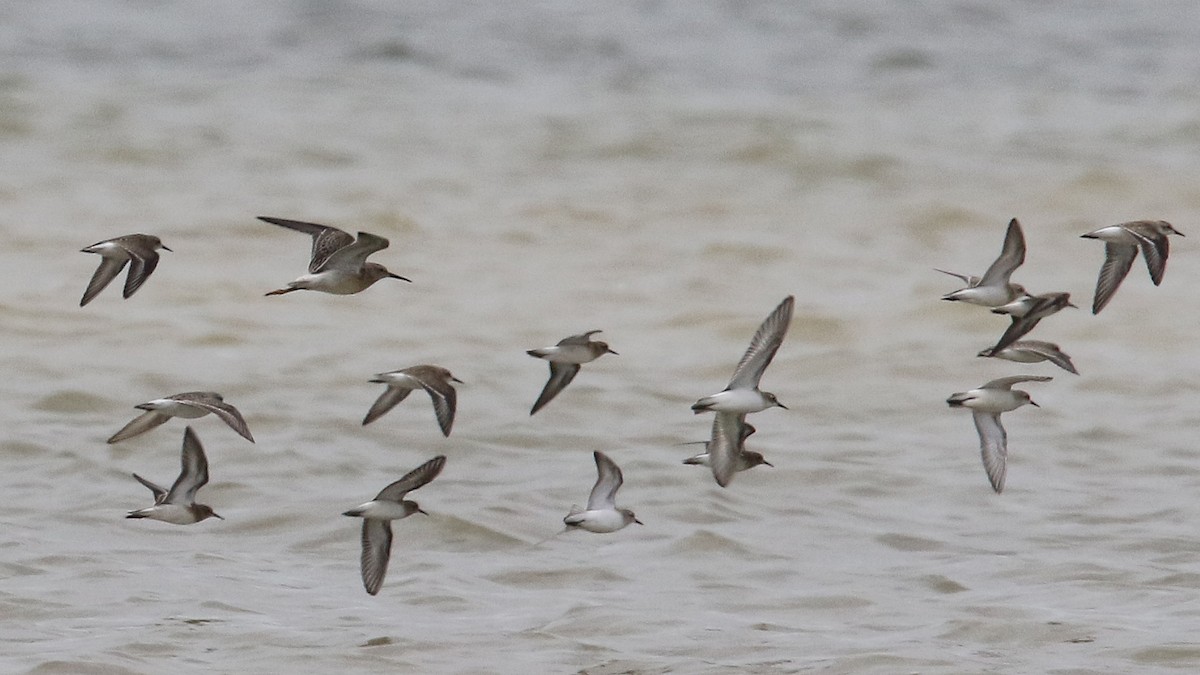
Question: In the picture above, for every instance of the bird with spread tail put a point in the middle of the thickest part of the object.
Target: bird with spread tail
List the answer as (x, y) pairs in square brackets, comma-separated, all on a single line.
[(378, 515), (602, 514), (565, 359), (178, 505), (743, 395), (986, 403), (994, 288), (339, 262), (1121, 244), (435, 380), (139, 251), (189, 405)]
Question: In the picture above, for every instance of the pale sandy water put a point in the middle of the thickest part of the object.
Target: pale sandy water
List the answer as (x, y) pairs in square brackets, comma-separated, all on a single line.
[(664, 172)]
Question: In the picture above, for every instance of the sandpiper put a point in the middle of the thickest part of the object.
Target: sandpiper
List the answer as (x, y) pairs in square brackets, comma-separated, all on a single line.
[(1039, 307), (1121, 245), (986, 404), (743, 395), (602, 514), (400, 383), (378, 513), (140, 251), (1033, 351), (339, 262), (565, 359), (190, 405), (993, 288), (178, 505), (726, 452)]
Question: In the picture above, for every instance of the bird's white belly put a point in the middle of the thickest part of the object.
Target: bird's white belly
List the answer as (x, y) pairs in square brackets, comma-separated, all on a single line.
[(169, 513), (380, 510), (577, 354), (600, 521), (736, 401)]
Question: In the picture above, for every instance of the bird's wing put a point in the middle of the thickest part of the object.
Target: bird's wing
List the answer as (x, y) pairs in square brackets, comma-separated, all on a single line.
[(389, 399), (1008, 382), (193, 474), (412, 480), (444, 399), (1155, 248), (228, 414), (376, 551), (1011, 256), (725, 446), (142, 262), (159, 491), (561, 375), (352, 256), (139, 425), (1020, 326), (1051, 352), (993, 446), (107, 271), (608, 480), (325, 239), (581, 339), (763, 346), (1118, 258)]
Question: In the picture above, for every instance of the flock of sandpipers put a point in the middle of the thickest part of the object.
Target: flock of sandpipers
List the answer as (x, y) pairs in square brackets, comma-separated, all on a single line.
[(994, 289), (339, 265)]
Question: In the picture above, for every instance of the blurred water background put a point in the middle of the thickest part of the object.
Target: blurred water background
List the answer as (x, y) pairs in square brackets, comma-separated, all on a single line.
[(666, 171)]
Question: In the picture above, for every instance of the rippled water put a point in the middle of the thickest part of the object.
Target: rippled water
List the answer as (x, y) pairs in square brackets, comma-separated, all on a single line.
[(665, 172)]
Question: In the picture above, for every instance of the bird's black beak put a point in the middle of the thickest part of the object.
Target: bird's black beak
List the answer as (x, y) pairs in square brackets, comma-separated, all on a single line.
[(612, 352), (638, 521), (778, 404), (397, 276), (421, 510), (166, 249), (1034, 403), (455, 379), (768, 464)]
